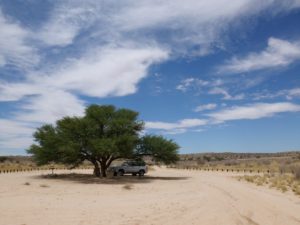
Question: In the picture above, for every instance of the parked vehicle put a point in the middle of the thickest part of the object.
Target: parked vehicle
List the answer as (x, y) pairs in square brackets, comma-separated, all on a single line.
[(133, 167)]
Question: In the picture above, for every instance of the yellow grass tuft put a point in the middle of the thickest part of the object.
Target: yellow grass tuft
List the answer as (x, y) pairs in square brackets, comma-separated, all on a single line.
[(282, 182)]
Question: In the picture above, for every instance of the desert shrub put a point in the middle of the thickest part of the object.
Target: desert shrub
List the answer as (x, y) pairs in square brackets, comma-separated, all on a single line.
[(128, 186), (3, 159), (296, 189), (207, 158), (200, 161), (296, 170), (27, 183), (219, 158), (250, 178), (283, 188), (283, 168), (265, 162), (44, 185)]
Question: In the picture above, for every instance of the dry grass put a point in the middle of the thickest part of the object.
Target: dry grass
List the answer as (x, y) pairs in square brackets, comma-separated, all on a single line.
[(261, 162), (27, 183), (44, 185), (23, 163), (151, 168), (282, 182), (296, 170)]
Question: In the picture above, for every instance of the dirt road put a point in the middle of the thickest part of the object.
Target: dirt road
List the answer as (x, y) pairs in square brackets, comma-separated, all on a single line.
[(165, 196)]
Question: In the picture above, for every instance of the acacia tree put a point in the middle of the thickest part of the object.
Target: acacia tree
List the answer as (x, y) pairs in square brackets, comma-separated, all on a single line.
[(101, 136)]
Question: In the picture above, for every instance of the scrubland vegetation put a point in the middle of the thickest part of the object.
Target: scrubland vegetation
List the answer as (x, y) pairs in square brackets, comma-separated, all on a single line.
[(282, 182), (13, 163), (276, 170), (284, 162)]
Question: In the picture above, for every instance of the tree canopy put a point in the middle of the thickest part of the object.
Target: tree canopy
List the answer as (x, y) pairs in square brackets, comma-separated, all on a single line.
[(101, 136)]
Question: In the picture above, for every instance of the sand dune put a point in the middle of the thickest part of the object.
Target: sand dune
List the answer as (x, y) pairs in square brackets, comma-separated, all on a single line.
[(165, 196)]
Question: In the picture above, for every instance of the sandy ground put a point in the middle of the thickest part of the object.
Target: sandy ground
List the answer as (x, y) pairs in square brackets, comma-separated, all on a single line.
[(164, 196)]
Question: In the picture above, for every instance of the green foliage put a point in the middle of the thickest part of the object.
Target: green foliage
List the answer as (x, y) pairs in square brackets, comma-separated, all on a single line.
[(104, 134), (161, 149)]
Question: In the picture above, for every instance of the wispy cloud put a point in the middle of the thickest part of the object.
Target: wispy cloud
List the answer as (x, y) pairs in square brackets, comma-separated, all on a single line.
[(191, 83), (201, 108), (225, 93), (49, 107), (246, 112), (279, 53), (15, 134), (104, 72), (286, 93), (66, 21), (14, 47), (253, 111), (178, 127)]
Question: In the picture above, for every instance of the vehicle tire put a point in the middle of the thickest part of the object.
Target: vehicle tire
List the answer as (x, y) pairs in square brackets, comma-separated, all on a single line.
[(133, 174), (121, 173), (141, 173)]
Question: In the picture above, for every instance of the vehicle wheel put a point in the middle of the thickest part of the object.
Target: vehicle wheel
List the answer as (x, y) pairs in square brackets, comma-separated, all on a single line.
[(141, 173), (133, 174), (121, 173)]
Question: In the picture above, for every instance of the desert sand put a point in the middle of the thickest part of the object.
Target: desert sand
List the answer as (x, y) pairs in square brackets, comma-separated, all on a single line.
[(164, 196)]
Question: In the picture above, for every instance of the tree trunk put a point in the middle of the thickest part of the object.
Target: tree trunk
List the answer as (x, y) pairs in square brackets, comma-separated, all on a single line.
[(97, 172), (103, 168)]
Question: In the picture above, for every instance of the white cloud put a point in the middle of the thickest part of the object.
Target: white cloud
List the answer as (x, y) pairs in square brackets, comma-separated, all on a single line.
[(16, 91), (190, 22), (49, 107), (247, 112), (286, 93), (108, 72), (254, 111), (293, 93), (226, 95), (185, 84), (178, 127), (194, 83), (102, 73), (14, 134), (66, 21), (278, 53), (205, 107), (14, 49)]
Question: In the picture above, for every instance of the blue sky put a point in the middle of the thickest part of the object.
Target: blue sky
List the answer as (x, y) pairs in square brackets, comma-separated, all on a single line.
[(213, 75)]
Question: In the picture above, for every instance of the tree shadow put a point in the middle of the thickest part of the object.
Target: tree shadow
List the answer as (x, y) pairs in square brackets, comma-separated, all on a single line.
[(91, 179)]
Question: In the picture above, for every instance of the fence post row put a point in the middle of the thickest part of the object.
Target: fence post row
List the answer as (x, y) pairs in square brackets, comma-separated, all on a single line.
[(230, 170), (38, 169)]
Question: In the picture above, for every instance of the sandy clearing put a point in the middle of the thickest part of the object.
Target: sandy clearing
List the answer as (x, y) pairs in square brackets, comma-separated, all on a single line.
[(166, 196)]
